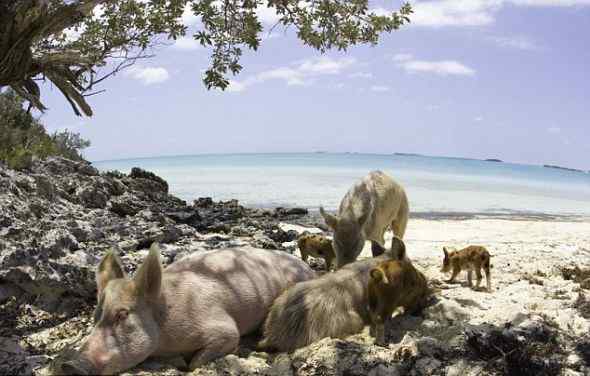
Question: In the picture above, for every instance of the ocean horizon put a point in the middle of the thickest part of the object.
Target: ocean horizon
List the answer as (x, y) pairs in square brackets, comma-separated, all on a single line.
[(433, 184)]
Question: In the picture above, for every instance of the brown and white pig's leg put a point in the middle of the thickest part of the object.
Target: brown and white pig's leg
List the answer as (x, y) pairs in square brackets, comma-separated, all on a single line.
[(479, 277), (223, 339), (456, 272), (488, 278)]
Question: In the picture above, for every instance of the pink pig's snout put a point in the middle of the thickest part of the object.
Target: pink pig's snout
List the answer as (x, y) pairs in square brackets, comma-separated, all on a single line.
[(72, 362)]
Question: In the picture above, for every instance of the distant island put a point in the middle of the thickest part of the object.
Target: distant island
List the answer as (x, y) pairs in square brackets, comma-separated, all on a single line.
[(564, 168), (409, 154), (493, 160)]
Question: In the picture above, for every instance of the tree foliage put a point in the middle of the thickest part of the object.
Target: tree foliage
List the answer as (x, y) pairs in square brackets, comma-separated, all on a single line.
[(76, 44), (23, 137)]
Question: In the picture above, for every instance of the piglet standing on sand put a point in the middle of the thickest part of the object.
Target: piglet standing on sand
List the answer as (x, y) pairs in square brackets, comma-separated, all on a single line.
[(366, 211), (472, 258), (198, 307)]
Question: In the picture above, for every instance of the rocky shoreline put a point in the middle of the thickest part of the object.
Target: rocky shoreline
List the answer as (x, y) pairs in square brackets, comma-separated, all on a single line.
[(58, 219)]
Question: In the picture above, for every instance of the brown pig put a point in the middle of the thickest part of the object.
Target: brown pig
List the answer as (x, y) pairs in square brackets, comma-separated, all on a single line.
[(395, 284), (333, 305), (472, 258), (197, 307), (316, 245)]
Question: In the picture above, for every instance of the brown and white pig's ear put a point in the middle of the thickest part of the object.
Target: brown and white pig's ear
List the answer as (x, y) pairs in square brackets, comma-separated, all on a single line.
[(149, 276), (398, 248), (331, 220), (110, 268), (446, 252)]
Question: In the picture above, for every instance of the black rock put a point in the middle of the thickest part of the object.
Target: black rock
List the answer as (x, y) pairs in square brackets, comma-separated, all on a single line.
[(138, 173)]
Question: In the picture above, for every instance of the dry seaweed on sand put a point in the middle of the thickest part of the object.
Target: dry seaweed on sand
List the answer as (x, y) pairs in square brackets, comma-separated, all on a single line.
[(517, 351), (583, 349), (582, 304), (576, 274)]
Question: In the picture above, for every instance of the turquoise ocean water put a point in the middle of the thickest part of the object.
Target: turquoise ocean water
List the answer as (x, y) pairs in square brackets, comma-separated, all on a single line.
[(433, 184)]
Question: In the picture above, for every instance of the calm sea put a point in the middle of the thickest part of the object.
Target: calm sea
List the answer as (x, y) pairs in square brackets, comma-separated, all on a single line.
[(433, 184)]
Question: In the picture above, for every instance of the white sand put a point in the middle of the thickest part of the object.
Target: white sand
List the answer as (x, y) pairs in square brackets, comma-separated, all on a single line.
[(517, 247)]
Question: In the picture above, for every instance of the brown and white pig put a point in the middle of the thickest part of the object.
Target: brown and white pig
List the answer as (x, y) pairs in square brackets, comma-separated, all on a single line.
[(197, 307), (367, 210), (334, 305), (395, 284)]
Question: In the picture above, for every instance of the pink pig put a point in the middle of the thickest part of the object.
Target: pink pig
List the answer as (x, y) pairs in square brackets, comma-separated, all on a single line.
[(197, 307)]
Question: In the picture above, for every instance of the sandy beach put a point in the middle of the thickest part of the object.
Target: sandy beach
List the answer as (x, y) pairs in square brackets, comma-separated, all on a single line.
[(520, 249)]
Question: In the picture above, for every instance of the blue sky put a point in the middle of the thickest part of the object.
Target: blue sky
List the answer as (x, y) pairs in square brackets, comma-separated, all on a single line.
[(504, 79)]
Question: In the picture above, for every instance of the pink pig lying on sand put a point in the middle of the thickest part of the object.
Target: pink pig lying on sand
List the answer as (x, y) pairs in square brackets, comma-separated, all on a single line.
[(197, 307)]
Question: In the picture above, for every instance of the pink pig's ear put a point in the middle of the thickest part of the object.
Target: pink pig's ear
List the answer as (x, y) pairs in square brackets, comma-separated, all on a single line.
[(110, 268), (148, 278)]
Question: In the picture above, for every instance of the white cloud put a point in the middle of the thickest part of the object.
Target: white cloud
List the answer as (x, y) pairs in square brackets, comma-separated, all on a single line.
[(235, 86), (325, 65), (267, 15), (380, 88), (453, 12), (518, 42), (289, 75), (186, 43), (554, 130), (381, 11), (402, 57), (300, 73), (365, 75), (188, 17), (441, 13), (441, 67), (551, 3), (148, 75)]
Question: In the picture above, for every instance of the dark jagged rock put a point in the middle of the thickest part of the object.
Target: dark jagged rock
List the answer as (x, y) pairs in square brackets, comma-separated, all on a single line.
[(186, 216), (138, 173), (280, 236), (282, 212), (529, 350), (126, 204), (203, 202), (59, 218)]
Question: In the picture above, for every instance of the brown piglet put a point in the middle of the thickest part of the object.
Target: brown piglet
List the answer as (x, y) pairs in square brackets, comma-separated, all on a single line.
[(316, 245), (472, 258), (395, 284)]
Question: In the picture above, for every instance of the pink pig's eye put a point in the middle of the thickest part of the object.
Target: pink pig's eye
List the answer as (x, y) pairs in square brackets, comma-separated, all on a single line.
[(121, 315)]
